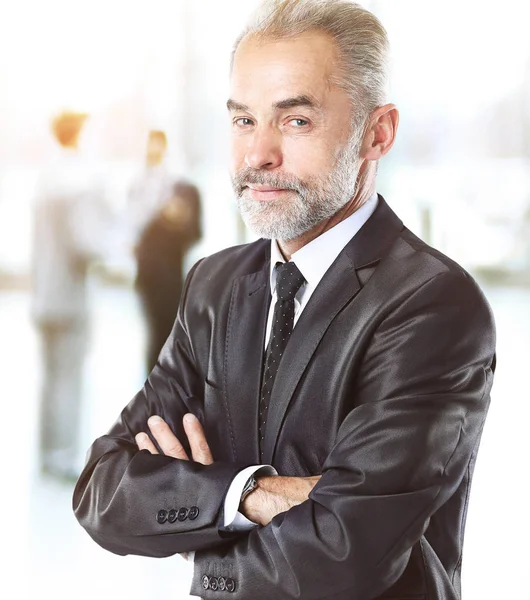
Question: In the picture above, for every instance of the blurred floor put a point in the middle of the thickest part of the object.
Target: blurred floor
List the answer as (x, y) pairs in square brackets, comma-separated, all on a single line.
[(50, 556)]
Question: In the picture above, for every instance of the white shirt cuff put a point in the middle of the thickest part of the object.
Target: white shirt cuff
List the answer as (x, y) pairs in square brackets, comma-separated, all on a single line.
[(233, 519)]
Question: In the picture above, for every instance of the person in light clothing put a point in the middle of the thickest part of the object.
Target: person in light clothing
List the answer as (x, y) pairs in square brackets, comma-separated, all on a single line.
[(70, 224)]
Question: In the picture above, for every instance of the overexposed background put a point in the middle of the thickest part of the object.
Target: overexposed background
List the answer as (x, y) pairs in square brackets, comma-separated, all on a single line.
[(459, 175)]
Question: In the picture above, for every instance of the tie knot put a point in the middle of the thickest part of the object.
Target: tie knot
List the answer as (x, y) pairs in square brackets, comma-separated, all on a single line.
[(288, 280)]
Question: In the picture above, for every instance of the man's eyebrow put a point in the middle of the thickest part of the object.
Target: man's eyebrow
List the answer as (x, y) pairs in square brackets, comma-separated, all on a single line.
[(293, 102), (301, 100), (234, 106)]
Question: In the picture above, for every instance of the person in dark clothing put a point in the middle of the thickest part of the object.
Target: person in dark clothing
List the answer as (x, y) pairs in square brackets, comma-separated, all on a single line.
[(311, 426), (160, 254)]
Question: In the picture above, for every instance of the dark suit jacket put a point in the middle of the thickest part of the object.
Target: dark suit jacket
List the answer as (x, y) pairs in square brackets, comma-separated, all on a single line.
[(160, 254), (383, 389)]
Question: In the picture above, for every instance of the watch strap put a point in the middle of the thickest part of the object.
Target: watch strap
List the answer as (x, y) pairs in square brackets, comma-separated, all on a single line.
[(250, 486)]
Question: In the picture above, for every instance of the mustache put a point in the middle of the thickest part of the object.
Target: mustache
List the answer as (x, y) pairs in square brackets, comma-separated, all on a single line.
[(248, 175)]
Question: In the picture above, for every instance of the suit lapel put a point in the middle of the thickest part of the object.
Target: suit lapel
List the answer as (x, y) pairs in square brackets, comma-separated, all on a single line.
[(245, 340), (338, 287)]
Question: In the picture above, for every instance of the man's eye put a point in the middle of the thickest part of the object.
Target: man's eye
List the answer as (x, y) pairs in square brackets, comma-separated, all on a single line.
[(299, 122), (243, 122)]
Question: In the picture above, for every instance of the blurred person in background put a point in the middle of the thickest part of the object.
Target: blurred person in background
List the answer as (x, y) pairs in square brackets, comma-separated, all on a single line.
[(151, 188), (70, 222), (149, 192), (160, 255), (312, 423)]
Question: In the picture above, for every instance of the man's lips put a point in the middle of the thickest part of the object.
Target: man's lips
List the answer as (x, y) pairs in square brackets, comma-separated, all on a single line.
[(265, 192)]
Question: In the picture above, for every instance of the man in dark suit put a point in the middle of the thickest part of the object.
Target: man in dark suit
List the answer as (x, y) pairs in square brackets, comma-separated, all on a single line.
[(160, 254), (311, 425)]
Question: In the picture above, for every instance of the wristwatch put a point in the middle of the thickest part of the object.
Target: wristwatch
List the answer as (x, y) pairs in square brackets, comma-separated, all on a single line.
[(250, 486)]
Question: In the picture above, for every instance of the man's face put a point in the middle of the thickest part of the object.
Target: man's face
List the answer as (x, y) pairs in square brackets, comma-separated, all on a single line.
[(294, 154)]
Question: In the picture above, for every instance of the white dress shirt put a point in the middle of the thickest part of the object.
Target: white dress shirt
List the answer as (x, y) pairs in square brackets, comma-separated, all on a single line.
[(313, 260)]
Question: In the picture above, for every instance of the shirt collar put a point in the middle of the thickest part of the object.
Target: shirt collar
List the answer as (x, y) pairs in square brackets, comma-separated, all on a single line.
[(316, 257)]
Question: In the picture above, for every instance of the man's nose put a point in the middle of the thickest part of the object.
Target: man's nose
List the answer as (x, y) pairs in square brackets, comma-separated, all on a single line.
[(264, 150)]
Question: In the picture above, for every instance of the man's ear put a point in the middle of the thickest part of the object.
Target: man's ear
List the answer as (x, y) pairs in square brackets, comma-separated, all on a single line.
[(380, 132)]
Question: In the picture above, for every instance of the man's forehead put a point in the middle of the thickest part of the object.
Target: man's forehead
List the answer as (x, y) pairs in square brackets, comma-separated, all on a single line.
[(280, 76), (309, 54)]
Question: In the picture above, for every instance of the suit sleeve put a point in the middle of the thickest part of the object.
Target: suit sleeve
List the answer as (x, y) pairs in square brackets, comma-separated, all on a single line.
[(134, 502), (420, 399)]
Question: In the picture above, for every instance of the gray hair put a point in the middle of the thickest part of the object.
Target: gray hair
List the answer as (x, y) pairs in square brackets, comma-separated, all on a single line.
[(360, 38)]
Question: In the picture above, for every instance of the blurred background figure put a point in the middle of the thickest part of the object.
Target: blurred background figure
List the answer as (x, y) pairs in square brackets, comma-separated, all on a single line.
[(160, 253), (152, 186), (69, 229), (163, 221)]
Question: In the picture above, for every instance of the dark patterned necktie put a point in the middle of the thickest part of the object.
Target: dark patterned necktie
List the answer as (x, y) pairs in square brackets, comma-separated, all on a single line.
[(288, 282)]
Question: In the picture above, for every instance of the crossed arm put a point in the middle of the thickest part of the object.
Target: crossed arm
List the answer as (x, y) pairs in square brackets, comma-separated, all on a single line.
[(273, 495)]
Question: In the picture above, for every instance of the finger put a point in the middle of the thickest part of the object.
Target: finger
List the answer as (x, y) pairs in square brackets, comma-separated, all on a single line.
[(200, 451), (166, 439), (144, 442)]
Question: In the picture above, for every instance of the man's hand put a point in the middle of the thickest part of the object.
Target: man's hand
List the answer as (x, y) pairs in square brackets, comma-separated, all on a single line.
[(169, 443), (275, 495)]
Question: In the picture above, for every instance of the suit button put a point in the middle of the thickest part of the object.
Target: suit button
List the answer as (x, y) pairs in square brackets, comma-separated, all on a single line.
[(214, 584), (194, 513), (172, 515), (222, 583), (205, 582), (230, 585), (161, 516), (183, 514)]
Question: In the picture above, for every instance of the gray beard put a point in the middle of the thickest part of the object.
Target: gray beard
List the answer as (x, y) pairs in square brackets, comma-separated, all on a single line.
[(309, 203)]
